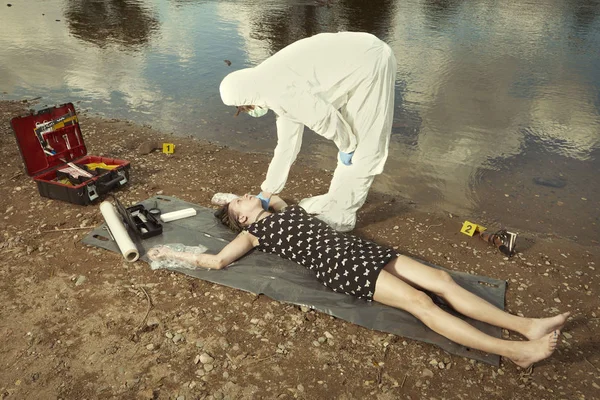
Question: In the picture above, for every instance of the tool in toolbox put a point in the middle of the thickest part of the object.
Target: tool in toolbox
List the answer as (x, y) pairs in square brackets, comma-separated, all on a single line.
[(55, 155)]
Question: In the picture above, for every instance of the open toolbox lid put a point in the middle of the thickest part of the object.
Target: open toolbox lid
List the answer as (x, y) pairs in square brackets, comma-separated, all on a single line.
[(56, 129)]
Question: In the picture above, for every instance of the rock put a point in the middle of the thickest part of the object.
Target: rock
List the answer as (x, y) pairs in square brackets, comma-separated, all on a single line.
[(80, 280), (197, 359), (550, 182), (148, 147), (177, 338), (427, 373), (328, 335), (567, 335), (150, 346), (206, 359), (208, 367), (321, 339), (180, 397), (199, 344), (169, 335), (152, 322), (304, 309)]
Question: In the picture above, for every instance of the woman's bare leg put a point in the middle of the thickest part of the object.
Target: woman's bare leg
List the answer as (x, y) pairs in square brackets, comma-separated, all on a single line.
[(467, 303), (392, 291)]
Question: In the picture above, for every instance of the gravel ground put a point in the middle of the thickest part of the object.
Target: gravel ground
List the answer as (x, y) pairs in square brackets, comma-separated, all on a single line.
[(80, 323)]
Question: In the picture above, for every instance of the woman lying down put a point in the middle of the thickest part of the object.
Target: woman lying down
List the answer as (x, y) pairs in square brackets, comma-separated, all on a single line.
[(350, 265)]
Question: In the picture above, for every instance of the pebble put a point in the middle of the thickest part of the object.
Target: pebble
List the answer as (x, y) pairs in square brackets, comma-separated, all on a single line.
[(300, 388), (206, 359), (152, 322), (199, 344), (567, 335), (321, 339), (197, 359), (150, 346), (328, 335), (177, 338), (316, 344), (304, 309), (180, 397), (169, 335), (208, 367), (427, 373), (80, 280)]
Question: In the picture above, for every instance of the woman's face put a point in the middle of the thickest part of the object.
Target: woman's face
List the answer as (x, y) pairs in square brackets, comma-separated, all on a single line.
[(244, 208)]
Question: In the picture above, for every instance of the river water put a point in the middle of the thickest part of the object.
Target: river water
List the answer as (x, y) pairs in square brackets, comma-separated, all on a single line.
[(497, 103)]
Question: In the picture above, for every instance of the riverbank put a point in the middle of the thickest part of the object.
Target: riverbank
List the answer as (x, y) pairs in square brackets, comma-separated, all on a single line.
[(70, 315)]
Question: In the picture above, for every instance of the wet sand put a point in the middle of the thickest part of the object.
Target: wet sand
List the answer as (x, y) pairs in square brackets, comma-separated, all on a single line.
[(72, 317)]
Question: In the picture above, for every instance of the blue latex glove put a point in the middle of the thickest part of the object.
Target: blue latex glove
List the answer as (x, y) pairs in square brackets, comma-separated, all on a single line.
[(346, 158), (265, 201)]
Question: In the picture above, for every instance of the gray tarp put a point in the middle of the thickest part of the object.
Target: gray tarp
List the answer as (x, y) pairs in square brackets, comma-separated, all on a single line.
[(285, 281)]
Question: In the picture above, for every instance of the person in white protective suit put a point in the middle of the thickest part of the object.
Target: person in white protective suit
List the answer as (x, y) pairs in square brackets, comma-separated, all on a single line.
[(340, 85)]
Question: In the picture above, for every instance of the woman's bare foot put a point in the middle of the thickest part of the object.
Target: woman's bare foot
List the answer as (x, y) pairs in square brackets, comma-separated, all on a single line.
[(542, 326), (536, 350)]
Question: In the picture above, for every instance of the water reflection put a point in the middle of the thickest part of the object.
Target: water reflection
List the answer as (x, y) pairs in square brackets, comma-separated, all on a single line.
[(487, 92), (102, 22)]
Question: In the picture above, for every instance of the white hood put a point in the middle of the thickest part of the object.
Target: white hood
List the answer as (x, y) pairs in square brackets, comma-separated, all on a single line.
[(243, 88)]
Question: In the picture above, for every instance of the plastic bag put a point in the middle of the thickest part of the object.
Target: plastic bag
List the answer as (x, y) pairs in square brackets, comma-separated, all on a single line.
[(179, 248), (220, 199)]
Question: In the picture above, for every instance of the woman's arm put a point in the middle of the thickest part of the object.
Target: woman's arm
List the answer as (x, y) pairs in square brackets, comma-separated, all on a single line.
[(277, 203), (237, 248)]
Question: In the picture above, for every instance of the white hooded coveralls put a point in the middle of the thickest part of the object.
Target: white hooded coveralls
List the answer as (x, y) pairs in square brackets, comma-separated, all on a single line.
[(340, 85)]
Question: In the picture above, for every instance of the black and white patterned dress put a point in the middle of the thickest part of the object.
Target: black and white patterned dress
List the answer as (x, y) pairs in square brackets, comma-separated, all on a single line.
[(344, 263)]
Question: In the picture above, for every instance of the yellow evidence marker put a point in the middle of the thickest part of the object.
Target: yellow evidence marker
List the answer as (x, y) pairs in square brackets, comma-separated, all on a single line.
[(168, 148), (469, 228)]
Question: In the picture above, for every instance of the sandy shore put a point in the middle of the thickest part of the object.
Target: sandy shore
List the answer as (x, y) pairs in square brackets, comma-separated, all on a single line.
[(70, 315)]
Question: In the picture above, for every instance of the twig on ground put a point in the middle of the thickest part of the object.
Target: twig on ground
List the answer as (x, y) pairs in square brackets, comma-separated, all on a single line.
[(589, 362), (68, 229), (432, 226), (16, 175), (404, 380), (147, 310), (257, 361)]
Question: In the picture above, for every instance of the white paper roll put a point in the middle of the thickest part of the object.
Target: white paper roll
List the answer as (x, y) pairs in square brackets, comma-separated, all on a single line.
[(119, 232), (172, 216)]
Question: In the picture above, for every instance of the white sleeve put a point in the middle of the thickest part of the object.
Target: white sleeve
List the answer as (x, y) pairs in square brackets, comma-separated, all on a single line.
[(289, 141), (320, 116)]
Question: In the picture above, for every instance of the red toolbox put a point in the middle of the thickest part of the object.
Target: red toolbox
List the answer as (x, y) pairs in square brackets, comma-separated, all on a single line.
[(55, 155)]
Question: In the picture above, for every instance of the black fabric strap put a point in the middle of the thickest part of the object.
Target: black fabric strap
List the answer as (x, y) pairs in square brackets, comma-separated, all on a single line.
[(259, 215)]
